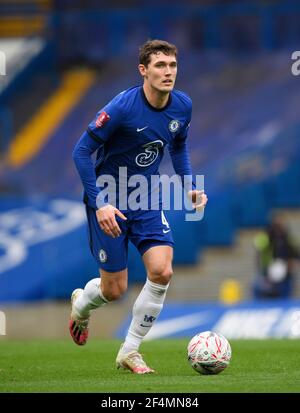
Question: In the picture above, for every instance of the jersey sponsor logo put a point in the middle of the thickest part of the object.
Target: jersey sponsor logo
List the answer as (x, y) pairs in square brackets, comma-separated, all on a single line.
[(102, 119), (150, 154), (174, 125), (102, 256), (140, 129)]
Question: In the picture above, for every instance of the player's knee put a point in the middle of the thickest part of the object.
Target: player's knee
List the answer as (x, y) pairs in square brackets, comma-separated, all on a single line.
[(161, 275), (114, 293)]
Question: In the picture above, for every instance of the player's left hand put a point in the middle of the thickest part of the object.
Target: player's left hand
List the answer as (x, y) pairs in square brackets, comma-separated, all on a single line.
[(198, 198)]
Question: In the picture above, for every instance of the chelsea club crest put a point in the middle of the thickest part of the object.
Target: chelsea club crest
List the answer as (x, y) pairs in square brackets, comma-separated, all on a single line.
[(102, 255), (174, 125)]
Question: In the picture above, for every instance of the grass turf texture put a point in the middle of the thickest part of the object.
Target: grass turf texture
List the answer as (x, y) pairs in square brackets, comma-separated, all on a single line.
[(257, 366)]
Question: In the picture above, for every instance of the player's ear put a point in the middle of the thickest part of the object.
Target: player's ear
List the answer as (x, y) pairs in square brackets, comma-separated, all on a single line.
[(142, 69)]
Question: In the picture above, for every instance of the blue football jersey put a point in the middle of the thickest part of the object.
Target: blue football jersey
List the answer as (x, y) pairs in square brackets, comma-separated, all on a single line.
[(134, 134)]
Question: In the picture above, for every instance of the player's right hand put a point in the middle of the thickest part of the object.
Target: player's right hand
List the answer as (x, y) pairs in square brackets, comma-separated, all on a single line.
[(106, 217)]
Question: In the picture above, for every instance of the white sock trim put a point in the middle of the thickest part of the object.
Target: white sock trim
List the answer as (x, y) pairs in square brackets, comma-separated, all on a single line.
[(157, 287)]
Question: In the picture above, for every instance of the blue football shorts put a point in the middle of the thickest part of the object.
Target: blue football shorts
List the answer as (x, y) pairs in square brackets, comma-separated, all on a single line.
[(145, 229)]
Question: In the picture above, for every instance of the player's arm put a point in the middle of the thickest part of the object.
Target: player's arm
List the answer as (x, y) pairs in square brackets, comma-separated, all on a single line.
[(181, 161), (98, 132), (106, 217), (182, 166), (82, 154), (199, 199)]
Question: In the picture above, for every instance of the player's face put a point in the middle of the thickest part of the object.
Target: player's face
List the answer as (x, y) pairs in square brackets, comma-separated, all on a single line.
[(160, 74)]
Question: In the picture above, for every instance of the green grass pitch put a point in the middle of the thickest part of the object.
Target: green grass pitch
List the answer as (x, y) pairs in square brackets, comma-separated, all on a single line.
[(257, 366)]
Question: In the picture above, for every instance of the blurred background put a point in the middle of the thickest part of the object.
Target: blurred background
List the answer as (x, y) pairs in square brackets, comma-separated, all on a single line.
[(237, 270)]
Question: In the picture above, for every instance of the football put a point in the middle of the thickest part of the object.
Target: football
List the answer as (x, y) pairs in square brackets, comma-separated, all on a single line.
[(209, 352)]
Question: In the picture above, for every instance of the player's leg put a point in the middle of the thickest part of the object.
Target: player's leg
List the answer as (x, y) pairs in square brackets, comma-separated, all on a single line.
[(97, 293), (149, 303), (151, 234), (147, 307), (111, 256)]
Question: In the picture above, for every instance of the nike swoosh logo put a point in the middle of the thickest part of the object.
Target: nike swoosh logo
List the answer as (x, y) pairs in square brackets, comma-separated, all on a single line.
[(142, 325), (166, 230), (140, 129)]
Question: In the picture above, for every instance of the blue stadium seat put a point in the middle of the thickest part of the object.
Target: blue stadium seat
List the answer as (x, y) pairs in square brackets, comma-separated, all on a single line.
[(286, 187), (250, 205)]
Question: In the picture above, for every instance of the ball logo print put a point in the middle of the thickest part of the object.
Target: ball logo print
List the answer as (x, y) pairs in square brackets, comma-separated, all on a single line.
[(150, 153), (209, 353)]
